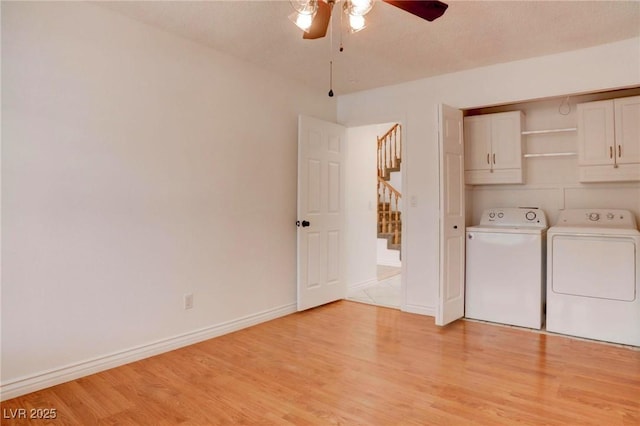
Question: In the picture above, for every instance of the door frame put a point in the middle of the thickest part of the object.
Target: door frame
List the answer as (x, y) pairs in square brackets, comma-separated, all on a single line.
[(403, 174), (405, 205)]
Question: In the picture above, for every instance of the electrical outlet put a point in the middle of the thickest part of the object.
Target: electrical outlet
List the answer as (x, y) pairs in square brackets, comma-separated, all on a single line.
[(188, 301)]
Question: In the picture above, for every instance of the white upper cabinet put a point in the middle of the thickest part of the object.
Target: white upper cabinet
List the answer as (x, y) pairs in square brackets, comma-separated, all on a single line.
[(627, 120), (477, 137), (595, 133), (609, 140), (493, 148)]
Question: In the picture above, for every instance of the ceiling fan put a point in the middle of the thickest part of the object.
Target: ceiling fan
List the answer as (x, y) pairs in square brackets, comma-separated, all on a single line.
[(313, 16)]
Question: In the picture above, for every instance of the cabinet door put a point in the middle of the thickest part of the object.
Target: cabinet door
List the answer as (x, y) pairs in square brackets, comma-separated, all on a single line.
[(506, 140), (595, 133), (627, 124), (477, 138)]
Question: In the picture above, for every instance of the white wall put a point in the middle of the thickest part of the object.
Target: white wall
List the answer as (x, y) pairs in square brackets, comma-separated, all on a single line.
[(598, 68), (137, 167), (386, 256)]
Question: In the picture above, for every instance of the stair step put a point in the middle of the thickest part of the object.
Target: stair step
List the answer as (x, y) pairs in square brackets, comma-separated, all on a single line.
[(391, 169), (391, 236), (386, 174), (390, 243), (390, 231), (396, 167)]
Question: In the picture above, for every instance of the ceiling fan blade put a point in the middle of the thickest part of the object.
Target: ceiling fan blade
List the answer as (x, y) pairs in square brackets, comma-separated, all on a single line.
[(425, 9), (320, 22)]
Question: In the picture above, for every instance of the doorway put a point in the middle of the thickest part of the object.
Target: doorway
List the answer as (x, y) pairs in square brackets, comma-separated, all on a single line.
[(374, 214)]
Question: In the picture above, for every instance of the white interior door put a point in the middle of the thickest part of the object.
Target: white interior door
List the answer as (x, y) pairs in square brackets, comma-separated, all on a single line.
[(321, 264), (452, 216)]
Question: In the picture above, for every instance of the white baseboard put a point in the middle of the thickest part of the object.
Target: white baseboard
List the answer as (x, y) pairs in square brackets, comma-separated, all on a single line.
[(45, 379), (417, 309)]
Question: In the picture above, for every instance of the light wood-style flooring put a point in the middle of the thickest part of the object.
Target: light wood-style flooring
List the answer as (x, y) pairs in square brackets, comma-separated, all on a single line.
[(348, 363)]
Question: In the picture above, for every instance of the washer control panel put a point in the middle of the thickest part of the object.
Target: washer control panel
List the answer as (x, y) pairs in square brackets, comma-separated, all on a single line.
[(614, 218), (514, 216)]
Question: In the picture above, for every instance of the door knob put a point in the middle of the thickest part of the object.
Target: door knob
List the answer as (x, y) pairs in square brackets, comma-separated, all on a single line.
[(304, 223)]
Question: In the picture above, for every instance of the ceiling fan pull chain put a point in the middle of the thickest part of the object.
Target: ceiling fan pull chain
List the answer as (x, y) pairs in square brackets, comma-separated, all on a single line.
[(331, 54), (330, 79), (341, 30)]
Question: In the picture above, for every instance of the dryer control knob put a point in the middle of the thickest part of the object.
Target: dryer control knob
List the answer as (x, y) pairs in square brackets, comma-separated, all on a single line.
[(610, 216), (530, 215), (594, 217)]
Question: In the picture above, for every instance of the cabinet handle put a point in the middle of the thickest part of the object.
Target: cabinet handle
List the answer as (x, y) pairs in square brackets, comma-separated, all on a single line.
[(610, 152), (494, 158), (619, 151), (488, 158)]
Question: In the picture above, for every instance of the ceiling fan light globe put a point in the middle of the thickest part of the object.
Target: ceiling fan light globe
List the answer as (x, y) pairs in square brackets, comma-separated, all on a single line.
[(302, 20), (359, 7), (356, 23), (306, 7)]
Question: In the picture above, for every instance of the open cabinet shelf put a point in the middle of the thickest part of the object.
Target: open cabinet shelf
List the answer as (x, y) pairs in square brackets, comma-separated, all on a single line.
[(548, 131)]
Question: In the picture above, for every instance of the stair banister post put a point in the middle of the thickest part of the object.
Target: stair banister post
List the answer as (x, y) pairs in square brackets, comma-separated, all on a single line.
[(387, 152), (400, 130), (395, 146), (385, 224), (379, 159), (391, 151), (397, 222)]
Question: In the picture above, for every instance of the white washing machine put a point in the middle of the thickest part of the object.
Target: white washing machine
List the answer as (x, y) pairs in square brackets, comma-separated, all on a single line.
[(593, 275), (505, 267)]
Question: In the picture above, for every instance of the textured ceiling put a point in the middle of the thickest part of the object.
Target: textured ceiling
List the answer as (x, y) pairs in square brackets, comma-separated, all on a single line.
[(396, 46)]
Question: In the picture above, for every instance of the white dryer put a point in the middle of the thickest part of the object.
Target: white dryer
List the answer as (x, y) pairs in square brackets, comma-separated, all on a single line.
[(505, 267), (593, 275)]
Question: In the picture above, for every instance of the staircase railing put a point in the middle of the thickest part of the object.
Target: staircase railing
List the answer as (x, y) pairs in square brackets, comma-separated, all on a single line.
[(389, 151), (389, 210)]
